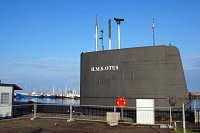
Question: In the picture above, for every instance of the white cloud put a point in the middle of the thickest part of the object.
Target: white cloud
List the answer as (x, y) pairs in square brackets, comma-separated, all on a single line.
[(196, 61), (192, 72), (66, 60), (192, 63), (52, 70), (31, 64)]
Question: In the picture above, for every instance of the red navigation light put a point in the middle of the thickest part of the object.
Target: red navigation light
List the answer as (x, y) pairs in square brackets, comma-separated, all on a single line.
[(121, 102)]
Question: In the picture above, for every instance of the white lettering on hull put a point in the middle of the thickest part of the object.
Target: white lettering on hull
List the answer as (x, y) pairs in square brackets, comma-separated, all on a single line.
[(104, 68)]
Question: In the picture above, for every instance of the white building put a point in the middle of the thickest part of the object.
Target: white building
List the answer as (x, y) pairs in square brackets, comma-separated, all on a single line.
[(6, 99)]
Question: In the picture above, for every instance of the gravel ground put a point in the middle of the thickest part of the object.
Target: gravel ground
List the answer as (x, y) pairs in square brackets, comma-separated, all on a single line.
[(62, 126)]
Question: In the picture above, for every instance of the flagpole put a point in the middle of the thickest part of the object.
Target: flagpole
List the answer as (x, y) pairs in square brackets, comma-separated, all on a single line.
[(153, 30)]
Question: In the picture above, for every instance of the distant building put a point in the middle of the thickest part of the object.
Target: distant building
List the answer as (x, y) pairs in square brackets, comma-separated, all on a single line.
[(153, 72), (6, 99)]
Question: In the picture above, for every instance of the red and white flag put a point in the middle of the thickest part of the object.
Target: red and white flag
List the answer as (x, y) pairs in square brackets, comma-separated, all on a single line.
[(153, 26)]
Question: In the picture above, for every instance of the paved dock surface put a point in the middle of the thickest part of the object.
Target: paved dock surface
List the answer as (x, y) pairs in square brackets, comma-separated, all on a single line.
[(62, 126)]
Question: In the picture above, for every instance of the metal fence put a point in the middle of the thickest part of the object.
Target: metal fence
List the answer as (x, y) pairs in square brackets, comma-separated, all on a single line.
[(51, 111), (23, 110), (192, 118), (97, 113), (162, 115)]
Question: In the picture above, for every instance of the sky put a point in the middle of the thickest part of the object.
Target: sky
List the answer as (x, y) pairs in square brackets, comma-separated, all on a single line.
[(41, 40)]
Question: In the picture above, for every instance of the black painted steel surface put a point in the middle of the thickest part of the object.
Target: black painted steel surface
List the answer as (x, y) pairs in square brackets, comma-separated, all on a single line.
[(153, 72)]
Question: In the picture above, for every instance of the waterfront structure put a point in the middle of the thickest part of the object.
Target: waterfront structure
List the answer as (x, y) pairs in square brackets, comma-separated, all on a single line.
[(6, 99), (194, 95), (153, 72)]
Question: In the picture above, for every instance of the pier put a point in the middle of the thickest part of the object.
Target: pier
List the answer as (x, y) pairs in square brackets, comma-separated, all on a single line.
[(193, 95)]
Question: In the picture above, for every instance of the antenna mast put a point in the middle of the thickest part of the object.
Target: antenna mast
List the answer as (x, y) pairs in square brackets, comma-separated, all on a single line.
[(109, 34), (118, 20), (102, 39), (96, 35), (153, 30)]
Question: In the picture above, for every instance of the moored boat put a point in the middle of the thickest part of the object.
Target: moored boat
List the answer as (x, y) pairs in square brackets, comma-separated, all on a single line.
[(21, 95), (36, 95), (52, 96), (77, 97), (69, 95)]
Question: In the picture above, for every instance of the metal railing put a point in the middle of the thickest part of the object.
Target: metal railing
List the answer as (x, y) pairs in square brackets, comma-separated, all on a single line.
[(161, 115), (192, 118), (83, 112), (22, 110), (51, 111)]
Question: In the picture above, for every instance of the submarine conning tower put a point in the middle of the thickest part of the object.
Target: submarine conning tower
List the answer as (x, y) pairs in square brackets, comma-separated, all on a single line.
[(153, 72)]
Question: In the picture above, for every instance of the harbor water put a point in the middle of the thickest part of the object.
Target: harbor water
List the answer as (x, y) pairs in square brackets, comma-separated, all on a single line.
[(67, 101), (64, 101)]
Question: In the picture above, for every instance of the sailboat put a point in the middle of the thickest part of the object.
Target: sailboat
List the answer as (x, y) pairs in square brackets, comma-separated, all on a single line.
[(52, 96)]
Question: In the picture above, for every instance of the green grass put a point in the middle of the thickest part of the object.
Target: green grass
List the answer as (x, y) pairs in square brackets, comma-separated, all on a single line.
[(180, 130)]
